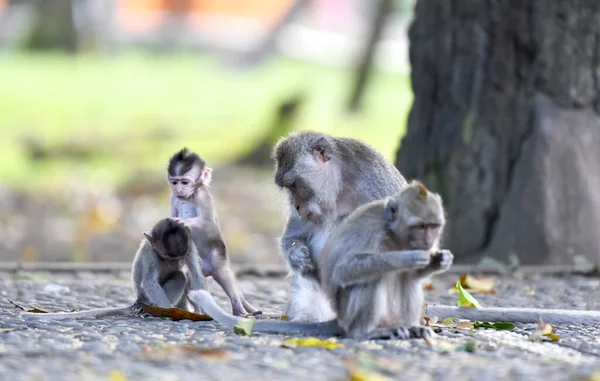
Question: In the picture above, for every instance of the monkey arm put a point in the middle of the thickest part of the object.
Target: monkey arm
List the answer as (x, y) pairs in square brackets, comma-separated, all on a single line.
[(369, 267), (173, 207), (295, 248), (151, 289)]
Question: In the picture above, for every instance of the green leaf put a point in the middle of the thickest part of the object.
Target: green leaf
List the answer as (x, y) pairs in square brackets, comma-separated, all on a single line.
[(503, 325), (244, 327), (466, 299)]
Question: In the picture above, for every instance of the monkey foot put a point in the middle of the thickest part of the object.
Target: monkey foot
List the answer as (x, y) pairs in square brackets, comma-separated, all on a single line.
[(401, 333), (252, 313)]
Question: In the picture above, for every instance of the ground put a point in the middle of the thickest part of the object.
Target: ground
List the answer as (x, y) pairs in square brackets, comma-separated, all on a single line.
[(135, 348)]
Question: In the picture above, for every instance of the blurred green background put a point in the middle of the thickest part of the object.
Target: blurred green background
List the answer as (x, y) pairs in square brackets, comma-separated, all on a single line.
[(96, 95)]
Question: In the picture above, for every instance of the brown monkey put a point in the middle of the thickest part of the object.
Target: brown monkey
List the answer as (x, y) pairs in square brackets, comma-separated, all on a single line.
[(325, 178), (372, 269), (192, 203), (165, 269)]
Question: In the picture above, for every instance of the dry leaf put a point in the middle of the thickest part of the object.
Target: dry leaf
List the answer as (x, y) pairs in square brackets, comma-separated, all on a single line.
[(179, 351), (453, 323), (543, 330), (366, 368), (115, 375), (594, 377), (475, 285), (174, 313), (429, 286), (34, 309), (360, 374), (311, 342)]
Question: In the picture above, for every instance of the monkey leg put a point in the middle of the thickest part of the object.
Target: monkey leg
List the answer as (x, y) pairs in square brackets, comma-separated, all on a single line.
[(225, 277), (307, 301)]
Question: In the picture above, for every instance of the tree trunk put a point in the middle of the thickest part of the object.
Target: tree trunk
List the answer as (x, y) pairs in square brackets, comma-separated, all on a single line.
[(505, 125), (366, 61), (53, 26)]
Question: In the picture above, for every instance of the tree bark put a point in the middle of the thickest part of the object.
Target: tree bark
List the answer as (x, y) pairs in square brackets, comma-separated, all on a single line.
[(53, 27), (505, 125)]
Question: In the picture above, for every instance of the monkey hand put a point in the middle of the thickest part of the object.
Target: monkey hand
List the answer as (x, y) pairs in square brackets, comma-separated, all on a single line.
[(418, 259), (300, 259), (441, 260)]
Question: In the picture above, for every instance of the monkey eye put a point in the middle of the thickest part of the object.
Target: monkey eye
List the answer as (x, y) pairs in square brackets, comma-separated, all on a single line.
[(174, 182), (184, 182)]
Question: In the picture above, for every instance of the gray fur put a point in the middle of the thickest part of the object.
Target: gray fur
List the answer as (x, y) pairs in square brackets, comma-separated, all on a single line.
[(197, 211), (372, 271), (164, 270), (320, 195)]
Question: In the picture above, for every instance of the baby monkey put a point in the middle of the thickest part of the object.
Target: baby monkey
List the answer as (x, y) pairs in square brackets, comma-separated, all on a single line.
[(192, 204), (165, 268), (372, 268)]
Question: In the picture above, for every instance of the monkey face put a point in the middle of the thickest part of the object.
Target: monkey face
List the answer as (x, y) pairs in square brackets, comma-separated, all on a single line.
[(186, 172), (182, 187), (423, 236), (304, 169), (415, 217)]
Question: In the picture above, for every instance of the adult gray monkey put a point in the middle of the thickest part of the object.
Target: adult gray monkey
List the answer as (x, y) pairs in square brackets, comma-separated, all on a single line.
[(325, 178)]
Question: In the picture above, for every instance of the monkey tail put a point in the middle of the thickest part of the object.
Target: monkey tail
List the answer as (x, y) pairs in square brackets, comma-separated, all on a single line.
[(515, 315), (94, 313), (204, 300)]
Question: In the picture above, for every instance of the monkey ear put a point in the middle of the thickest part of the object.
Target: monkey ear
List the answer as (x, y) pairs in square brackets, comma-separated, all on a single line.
[(206, 176), (391, 209), (149, 236), (322, 150)]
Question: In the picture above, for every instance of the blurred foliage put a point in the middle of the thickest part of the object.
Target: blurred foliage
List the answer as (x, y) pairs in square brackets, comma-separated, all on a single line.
[(102, 118)]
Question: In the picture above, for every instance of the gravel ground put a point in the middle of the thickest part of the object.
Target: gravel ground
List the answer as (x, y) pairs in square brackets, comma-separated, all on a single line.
[(135, 348)]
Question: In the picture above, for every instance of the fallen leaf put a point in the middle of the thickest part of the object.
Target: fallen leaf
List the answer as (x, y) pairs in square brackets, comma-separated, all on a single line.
[(115, 375), (360, 374), (454, 323), (475, 285), (466, 299), (170, 352), (594, 377), (34, 309), (284, 317), (366, 368), (244, 327), (311, 342), (468, 346), (502, 326), (174, 313), (543, 330), (429, 286)]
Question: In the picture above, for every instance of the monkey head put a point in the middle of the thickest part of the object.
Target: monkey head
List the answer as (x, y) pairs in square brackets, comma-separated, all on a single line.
[(415, 217), (186, 173), (306, 167), (170, 239)]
